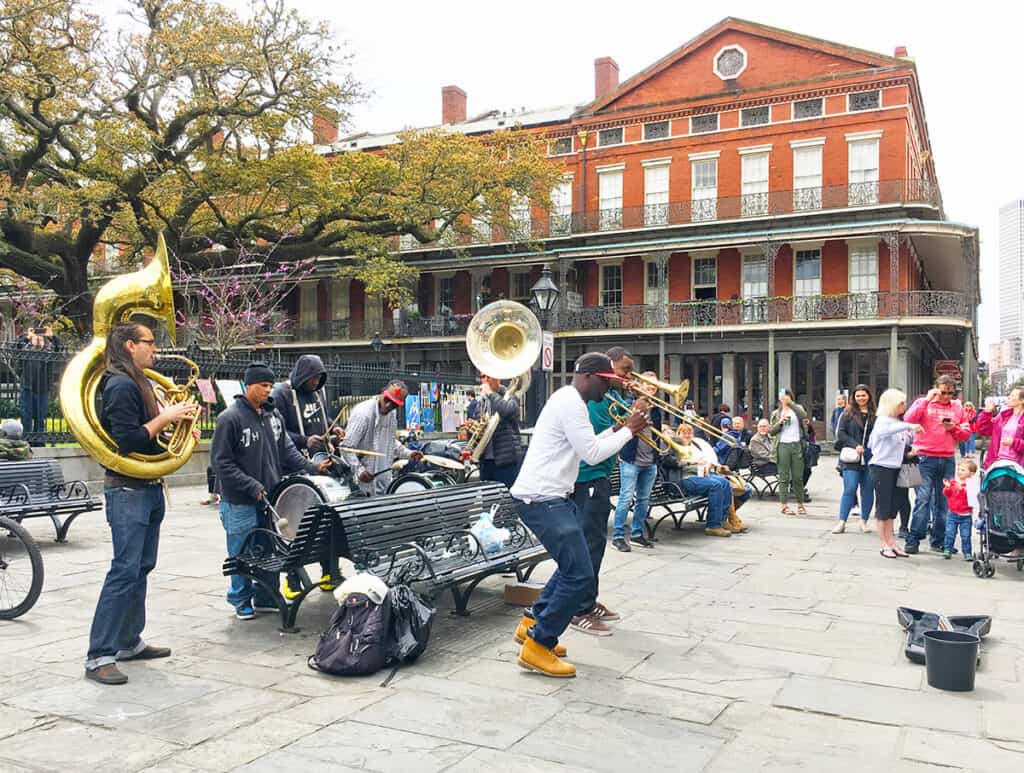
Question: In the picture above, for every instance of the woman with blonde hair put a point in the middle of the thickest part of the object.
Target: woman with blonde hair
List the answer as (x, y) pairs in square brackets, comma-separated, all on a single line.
[(888, 442)]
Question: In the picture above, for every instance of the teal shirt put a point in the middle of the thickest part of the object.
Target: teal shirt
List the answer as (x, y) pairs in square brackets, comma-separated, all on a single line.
[(600, 420)]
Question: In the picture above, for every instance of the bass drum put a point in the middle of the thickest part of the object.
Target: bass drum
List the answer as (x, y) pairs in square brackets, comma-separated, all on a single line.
[(295, 494), (419, 481)]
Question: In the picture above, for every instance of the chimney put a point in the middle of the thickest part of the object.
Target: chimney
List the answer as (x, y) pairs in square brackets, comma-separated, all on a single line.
[(325, 127), (453, 105), (901, 52), (606, 76)]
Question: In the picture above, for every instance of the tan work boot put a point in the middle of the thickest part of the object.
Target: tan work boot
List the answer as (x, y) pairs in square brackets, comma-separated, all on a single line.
[(534, 657), (523, 633), (717, 532), (736, 525)]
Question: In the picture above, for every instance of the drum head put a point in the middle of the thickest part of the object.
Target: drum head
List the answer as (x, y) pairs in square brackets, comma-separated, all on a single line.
[(419, 481), (294, 495)]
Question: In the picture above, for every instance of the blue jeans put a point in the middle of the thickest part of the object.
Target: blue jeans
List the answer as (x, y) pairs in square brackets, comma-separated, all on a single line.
[(238, 521), (970, 445), (717, 490), (856, 478), (634, 481), (930, 504), (557, 526), (134, 516), (33, 410), (593, 500), (963, 523)]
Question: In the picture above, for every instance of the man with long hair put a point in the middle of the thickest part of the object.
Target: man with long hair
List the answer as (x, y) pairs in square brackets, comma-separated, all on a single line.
[(134, 507)]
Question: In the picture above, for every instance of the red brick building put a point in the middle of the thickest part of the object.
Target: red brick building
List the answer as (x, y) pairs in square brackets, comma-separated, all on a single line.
[(755, 197)]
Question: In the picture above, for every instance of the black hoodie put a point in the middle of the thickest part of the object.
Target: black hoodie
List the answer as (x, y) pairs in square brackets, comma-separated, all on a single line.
[(305, 412), (250, 451)]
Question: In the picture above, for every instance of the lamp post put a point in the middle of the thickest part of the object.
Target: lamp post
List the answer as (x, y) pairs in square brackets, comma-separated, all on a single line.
[(545, 297), (377, 345)]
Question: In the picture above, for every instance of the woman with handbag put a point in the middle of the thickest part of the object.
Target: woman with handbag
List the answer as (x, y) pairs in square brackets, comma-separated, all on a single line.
[(852, 435), (888, 443)]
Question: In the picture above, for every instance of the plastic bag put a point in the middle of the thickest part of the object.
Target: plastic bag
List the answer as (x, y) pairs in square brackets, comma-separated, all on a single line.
[(411, 617), (490, 537)]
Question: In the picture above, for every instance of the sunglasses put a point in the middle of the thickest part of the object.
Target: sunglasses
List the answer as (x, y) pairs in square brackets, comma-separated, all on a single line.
[(149, 341), (941, 392)]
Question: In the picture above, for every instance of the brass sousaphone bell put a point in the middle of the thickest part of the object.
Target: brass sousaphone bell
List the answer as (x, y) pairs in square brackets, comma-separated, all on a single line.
[(145, 292)]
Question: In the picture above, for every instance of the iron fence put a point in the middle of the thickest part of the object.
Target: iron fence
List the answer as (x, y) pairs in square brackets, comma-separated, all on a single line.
[(30, 378)]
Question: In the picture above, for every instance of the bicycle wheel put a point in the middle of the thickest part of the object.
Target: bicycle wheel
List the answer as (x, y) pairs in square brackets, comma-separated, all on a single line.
[(21, 570)]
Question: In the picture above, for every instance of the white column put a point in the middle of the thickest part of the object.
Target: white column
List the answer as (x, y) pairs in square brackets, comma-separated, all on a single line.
[(785, 378), (893, 349), (339, 288), (729, 380), (901, 378), (831, 384), (675, 368), (307, 304), (661, 357)]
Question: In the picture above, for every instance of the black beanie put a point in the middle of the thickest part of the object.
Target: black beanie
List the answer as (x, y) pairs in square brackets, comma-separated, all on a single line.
[(258, 373)]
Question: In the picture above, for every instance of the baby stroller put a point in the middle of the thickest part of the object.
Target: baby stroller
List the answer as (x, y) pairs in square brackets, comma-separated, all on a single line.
[(1001, 517)]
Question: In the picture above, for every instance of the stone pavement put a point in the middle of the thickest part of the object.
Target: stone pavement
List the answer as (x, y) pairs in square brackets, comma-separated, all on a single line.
[(777, 650)]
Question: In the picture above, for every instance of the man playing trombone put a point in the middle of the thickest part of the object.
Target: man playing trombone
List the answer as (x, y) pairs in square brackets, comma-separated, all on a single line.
[(638, 469)]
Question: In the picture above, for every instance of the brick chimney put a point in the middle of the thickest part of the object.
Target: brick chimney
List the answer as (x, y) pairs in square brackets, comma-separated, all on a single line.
[(325, 127), (606, 76), (901, 52), (453, 105)]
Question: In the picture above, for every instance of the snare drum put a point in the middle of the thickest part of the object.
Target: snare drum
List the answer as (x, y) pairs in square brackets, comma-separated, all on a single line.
[(296, 493), (419, 481)]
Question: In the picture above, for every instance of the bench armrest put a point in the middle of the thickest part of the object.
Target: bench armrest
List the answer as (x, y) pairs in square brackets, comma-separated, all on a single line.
[(15, 494), (75, 489), (255, 550)]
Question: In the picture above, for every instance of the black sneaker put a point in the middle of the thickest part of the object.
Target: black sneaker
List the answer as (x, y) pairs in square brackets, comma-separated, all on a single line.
[(941, 549), (620, 544), (911, 549), (641, 542), (903, 534)]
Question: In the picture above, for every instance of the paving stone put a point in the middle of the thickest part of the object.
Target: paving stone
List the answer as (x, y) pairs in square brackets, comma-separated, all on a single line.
[(329, 709), (907, 675), (493, 761), (959, 751), (634, 695), (14, 721), (461, 711), (245, 744), (65, 745), (884, 705), (600, 739)]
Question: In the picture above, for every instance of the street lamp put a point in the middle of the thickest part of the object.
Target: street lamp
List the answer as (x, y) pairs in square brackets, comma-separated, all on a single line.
[(377, 345), (545, 296)]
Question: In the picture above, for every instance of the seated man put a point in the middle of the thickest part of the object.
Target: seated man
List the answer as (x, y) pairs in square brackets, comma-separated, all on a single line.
[(734, 455), (694, 476), (761, 450)]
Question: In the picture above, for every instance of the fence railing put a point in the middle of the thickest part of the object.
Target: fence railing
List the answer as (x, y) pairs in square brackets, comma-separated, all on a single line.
[(30, 378)]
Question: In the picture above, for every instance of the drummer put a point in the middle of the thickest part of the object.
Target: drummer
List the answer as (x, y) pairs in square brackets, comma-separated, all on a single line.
[(303, 403), (372, 426), (249, 452)]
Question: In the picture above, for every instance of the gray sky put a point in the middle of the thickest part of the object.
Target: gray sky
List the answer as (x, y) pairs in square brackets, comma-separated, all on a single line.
[(534, 53)]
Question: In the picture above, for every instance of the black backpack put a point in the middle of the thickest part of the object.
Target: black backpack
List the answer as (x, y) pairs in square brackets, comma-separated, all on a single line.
[(355, 643)]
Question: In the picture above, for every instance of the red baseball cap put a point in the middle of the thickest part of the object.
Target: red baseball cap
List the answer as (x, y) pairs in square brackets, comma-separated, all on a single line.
[(394, 395)]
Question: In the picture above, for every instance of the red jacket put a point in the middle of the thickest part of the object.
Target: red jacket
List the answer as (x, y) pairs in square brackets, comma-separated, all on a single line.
[(934, 439), (956, 496), (987, 424)]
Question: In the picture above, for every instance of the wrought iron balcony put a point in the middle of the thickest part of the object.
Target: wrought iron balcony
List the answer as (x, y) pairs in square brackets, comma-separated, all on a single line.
[(708, 210), (815, 308)]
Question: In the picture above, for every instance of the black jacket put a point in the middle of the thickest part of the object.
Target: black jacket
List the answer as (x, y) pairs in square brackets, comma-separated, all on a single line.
[(850, 434), (304, 412), (123, 414), (250, 451), (505, 444)]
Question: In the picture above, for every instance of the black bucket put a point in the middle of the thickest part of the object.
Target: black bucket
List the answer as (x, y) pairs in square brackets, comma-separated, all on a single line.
[(951, 658)]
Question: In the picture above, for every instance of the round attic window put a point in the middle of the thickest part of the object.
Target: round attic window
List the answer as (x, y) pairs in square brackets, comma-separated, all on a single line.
[(730, 62)]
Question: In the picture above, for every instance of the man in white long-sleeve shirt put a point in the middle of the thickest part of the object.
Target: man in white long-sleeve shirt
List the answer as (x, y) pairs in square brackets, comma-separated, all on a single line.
[(543, 493), (372, 426)]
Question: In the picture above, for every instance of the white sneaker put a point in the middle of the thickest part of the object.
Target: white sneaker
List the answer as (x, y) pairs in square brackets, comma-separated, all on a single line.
[(840, 528), (864, 527)]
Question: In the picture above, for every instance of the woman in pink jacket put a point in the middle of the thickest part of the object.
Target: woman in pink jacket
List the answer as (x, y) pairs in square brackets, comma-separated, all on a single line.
[(1006, 428)]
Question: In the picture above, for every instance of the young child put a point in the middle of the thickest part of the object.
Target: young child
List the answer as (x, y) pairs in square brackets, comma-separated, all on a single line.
[(959, 510)]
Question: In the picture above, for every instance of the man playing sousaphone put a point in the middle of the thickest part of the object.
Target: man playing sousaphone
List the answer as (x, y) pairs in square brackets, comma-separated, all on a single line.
[(134, 506), (500, 459), (372, 426)]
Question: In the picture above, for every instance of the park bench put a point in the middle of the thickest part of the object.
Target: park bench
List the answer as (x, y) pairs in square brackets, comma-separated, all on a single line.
[(669, 499), (421, 539), (764, 479), (33, 488)]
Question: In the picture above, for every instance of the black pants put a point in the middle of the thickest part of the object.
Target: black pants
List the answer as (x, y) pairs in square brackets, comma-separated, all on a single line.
[(902, 500), (593, 506)]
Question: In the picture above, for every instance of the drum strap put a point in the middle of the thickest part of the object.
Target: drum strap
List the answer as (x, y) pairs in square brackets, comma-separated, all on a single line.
[(298, 410)]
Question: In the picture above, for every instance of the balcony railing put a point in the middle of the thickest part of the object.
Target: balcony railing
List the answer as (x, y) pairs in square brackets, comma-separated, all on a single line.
[(814, 308), (708, 210)]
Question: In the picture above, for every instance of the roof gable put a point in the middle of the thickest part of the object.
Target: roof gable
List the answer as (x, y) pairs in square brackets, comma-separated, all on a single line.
[(773, 57)]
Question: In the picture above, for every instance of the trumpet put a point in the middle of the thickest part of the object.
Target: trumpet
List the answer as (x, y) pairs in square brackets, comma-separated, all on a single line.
[(620, 411), (677, 393)]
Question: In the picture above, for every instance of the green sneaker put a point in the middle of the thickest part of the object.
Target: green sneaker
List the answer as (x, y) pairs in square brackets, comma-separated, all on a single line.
[(947, 554), (968, 557)]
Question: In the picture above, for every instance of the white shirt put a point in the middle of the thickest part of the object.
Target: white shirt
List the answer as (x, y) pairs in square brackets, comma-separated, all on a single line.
[(790, 432), (562, 436)]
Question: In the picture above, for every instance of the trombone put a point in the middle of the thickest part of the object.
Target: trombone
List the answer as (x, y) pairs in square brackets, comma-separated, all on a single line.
[(673, 407), (619, 410)]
